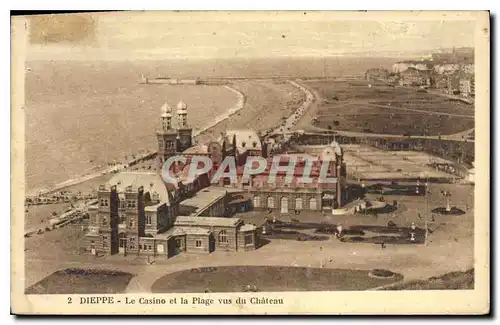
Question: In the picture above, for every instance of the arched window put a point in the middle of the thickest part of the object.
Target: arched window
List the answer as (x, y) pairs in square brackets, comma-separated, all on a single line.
[(222, 236), (256, 202), (312, 204), (298, 203), (284, 204), (270, 202)]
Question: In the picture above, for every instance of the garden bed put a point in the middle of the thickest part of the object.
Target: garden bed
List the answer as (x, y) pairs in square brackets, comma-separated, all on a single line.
[(82, 281)]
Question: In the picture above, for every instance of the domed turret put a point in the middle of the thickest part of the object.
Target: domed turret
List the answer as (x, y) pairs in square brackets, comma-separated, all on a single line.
[(182, 114), (181, 106), (336, 148), (166, 117), (166, 110)]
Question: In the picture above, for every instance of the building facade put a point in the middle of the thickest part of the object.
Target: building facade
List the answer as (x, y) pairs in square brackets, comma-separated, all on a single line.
[(414, 77), (289, 197), (375, 74)]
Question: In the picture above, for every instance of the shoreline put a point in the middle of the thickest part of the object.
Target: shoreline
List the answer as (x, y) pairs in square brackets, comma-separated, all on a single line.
[(240, 104)]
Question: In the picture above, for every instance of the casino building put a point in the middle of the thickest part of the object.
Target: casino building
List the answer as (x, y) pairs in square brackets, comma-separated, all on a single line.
[(138, 213)]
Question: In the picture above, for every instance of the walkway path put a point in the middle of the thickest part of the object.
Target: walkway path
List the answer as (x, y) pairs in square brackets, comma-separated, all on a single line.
[(420, 110)]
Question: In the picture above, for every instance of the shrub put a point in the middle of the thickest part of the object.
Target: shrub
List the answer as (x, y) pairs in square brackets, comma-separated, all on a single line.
[(381, 273)]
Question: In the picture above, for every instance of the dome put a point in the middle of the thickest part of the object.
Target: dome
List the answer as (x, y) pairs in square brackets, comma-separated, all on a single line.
[(166, 109), (181, 105), (336, 148)]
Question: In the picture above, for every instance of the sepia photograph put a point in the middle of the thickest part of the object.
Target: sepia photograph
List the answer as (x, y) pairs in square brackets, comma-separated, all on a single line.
[(250, 162)]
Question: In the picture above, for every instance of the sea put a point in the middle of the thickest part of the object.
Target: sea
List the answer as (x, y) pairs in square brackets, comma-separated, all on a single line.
[(82, 115)]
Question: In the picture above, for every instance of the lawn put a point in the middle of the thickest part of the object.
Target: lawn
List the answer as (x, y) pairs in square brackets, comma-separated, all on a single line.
[(370, 119), (269, 279), (82, 281), (449, 281), (355, 106)]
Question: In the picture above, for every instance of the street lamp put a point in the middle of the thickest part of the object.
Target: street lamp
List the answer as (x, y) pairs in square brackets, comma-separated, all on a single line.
[(426, 214), (447, 195), (426, 210)]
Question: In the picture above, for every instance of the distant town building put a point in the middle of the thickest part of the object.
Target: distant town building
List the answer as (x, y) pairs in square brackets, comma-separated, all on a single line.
[(439, 81), (466, 87), (402, 66), (446, 68), (376, 74), (414, 77)]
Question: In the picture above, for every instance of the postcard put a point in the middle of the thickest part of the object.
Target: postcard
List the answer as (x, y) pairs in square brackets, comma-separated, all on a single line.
[(175, 163)]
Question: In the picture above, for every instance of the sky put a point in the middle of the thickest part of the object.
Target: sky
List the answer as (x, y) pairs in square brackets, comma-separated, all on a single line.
[(170, 35)]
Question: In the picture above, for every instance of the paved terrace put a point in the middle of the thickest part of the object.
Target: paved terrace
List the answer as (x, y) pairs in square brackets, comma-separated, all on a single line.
[(365, 162)]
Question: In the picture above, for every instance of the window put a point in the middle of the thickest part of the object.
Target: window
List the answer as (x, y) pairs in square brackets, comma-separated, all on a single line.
[(312, 204), (256, 202), (270, 202), (122, 240), (298, 203), (140, 246), (198, 242), (123, 219), (248, 239), (284, 204), (148, 219), (131, 223), (150, 248), (223, 236), (104, 221)]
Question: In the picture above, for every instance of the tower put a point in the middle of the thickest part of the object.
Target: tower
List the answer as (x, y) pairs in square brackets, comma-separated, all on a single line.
[(184, 131), (167, 136)]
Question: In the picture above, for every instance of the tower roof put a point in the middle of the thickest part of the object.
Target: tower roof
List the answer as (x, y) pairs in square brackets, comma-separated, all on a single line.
[(166, 110), (181, 106)]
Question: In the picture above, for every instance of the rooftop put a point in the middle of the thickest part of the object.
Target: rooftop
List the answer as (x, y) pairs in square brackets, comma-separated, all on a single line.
[(151, 182), (207, 221), (205, 197), (197, 149), (179, 231), (245, 139), (248, 227)]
